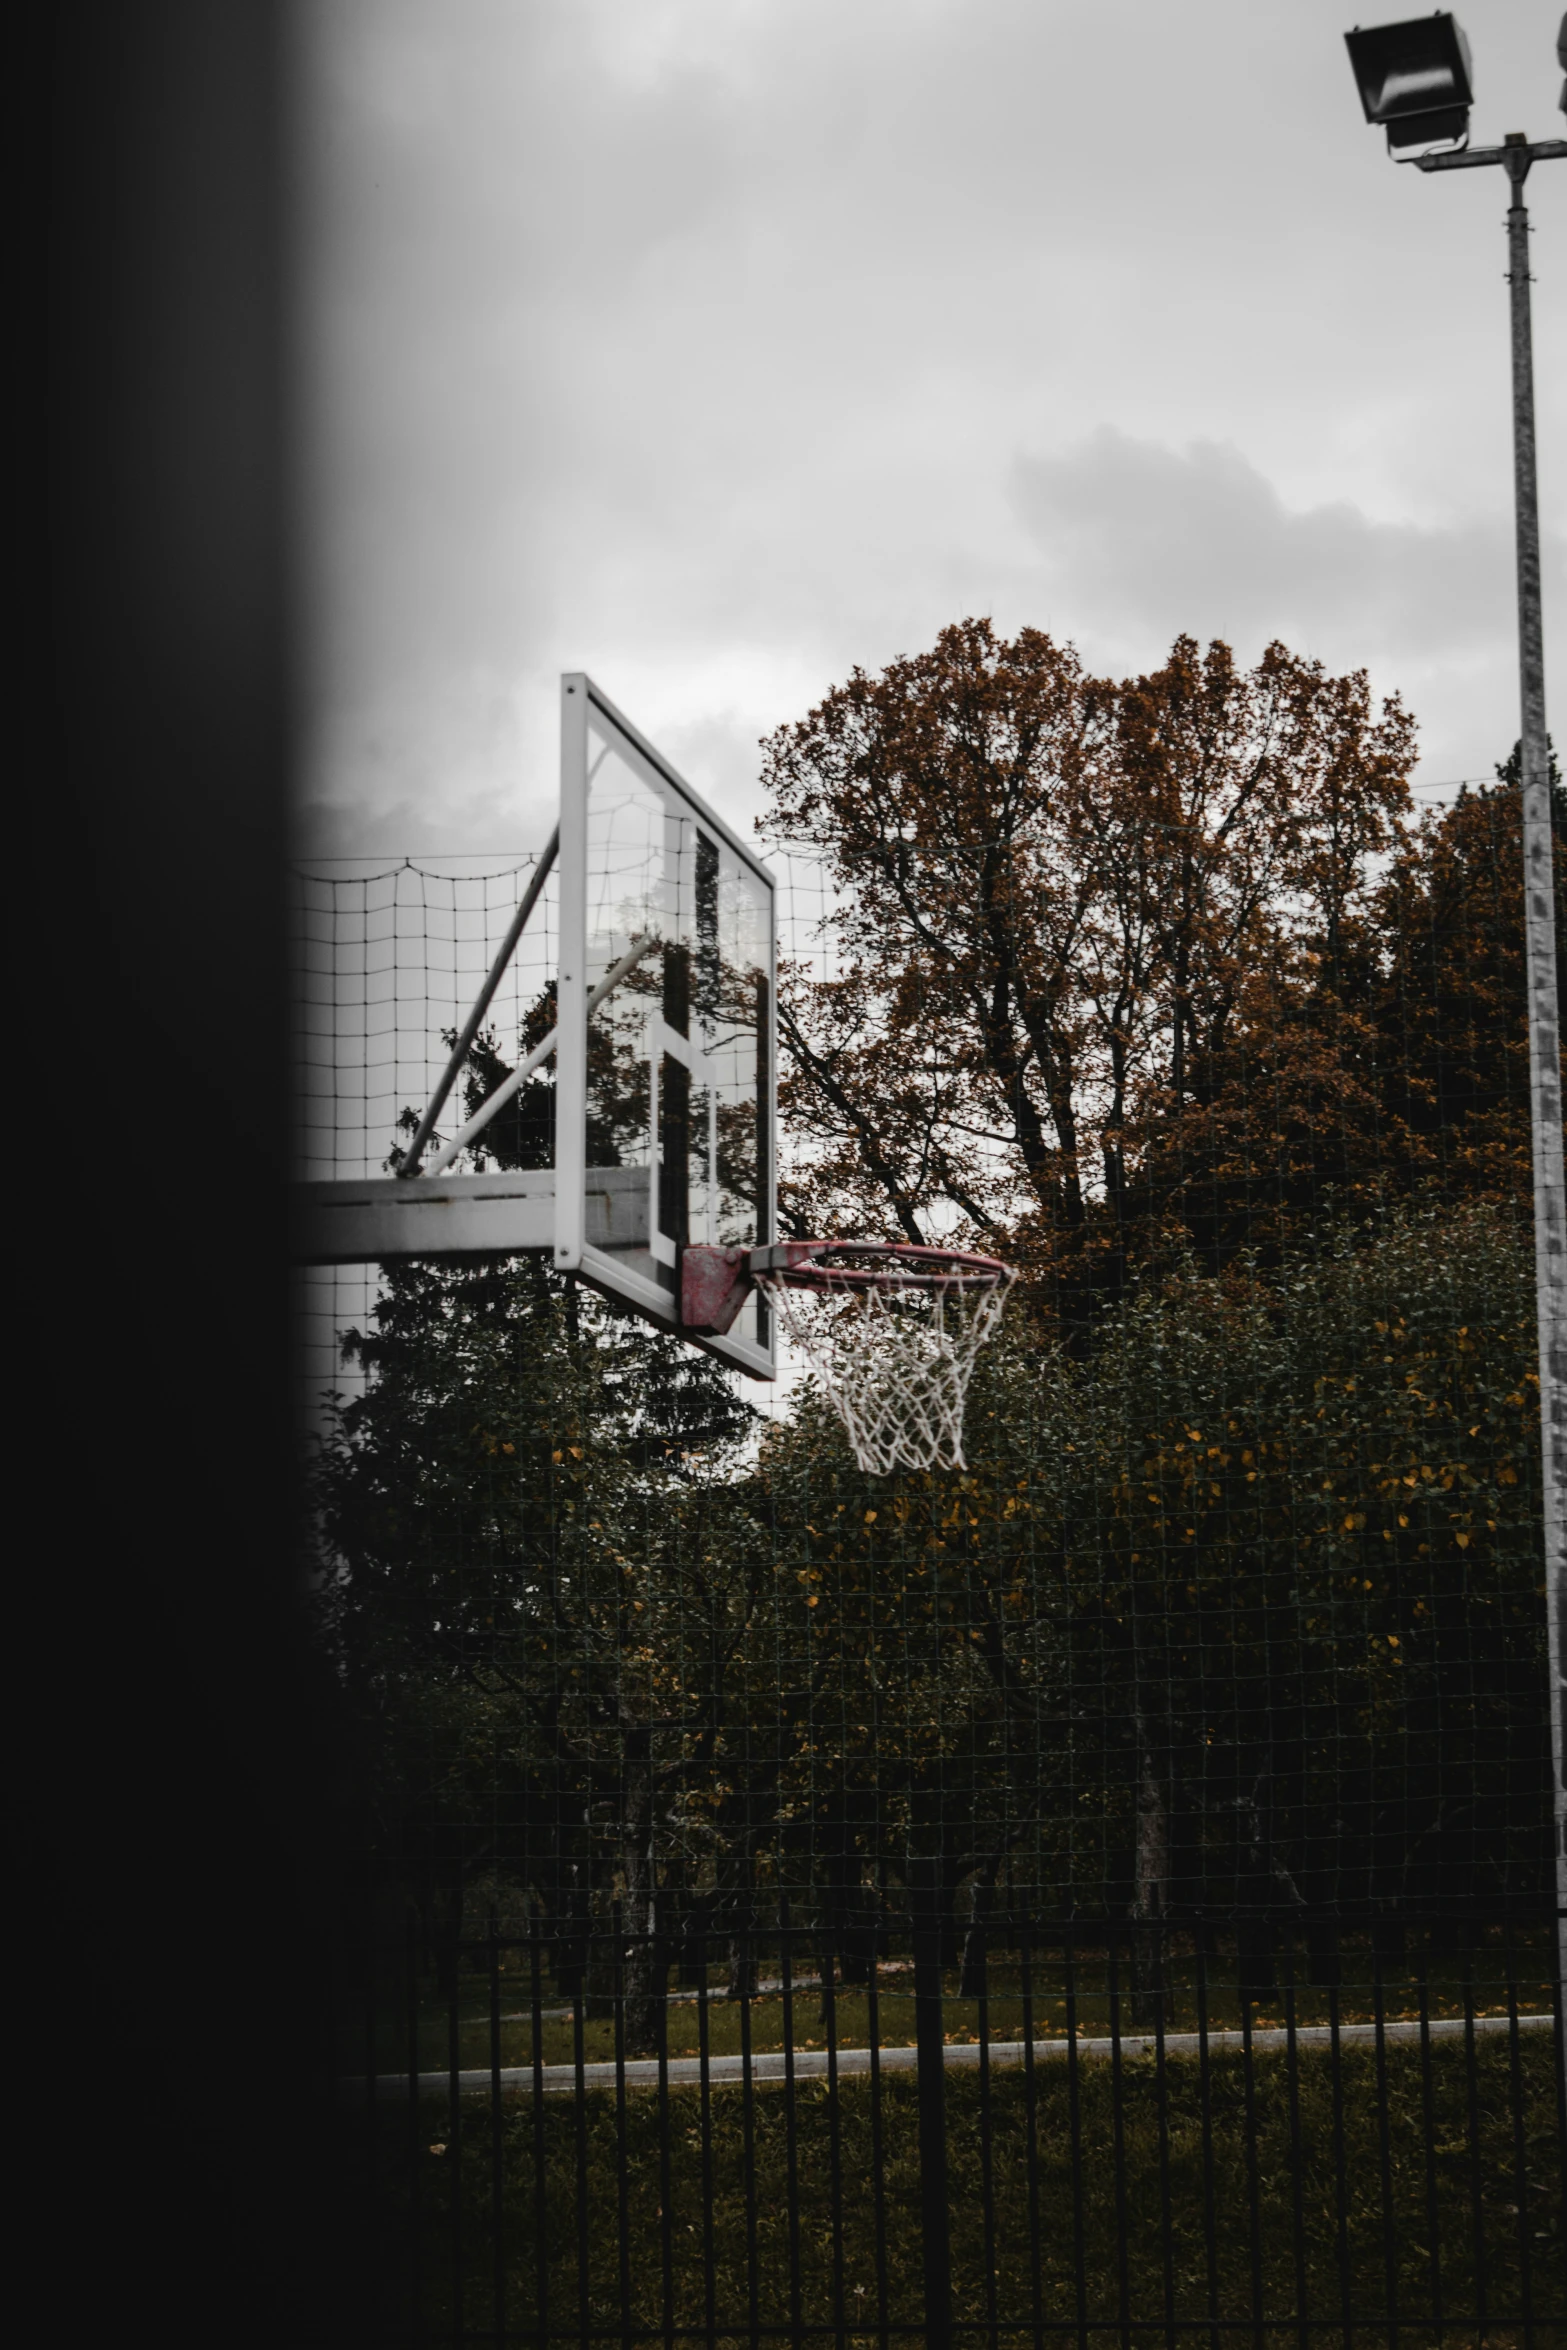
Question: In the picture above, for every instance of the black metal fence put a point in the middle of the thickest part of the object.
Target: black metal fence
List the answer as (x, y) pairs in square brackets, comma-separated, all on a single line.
[(1212, 1694), (1057, 2131)]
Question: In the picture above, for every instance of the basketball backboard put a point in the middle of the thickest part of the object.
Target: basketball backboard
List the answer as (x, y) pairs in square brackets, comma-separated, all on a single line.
[(661, 1063), (665, 1087)]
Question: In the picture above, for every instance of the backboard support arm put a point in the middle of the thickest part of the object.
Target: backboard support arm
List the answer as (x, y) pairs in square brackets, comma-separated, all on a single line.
[(541, 1052)]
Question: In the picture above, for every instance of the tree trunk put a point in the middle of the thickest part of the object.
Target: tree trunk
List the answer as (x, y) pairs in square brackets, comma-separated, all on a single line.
[(972, 1981), (849, 1920), (643, 1962), (567, 1927), (952, 1874), (696, 1944), (731, 1919), (1150, 1977), (742, 1968), (742, 1920), (1256, 1893), (1267, 1896)]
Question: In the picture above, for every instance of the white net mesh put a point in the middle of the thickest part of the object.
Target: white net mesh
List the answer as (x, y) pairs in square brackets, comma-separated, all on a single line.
[(894, 1357)]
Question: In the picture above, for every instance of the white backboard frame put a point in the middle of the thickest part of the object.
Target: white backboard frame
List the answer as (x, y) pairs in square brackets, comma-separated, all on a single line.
[(582, 705)]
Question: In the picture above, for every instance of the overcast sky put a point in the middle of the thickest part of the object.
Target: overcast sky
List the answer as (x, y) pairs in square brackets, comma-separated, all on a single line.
[(716, 346)]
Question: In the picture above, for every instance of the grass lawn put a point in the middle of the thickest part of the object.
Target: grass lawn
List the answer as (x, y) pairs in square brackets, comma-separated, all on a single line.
[(1436, 2189)]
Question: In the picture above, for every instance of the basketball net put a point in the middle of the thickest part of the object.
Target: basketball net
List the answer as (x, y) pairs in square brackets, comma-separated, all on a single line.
[(894, 1358)]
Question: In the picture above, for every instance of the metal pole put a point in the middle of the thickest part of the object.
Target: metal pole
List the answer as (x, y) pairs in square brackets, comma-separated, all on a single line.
[(925, 1887), (1545, 1089)]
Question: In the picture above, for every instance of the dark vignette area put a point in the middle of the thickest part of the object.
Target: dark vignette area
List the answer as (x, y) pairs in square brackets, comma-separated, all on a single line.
[(171, 1765)]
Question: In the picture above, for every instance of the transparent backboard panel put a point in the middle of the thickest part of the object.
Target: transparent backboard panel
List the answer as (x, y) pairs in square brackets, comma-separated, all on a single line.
[(679, 1053)]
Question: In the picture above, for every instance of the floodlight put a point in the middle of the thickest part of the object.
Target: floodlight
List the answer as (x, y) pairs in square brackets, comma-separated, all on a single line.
[(1416, 80)]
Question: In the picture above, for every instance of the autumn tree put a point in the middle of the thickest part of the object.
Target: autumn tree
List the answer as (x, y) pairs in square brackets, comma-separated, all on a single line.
[(1079, 922), (1452, 1010), (1232, 1619), (1159, 977), (1303, 1555)]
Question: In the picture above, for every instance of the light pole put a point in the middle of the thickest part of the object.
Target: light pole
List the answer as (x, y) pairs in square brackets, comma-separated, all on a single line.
[(1415, 78)]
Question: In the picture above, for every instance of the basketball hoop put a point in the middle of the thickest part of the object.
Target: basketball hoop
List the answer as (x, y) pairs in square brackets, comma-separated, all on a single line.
[(893, 1332)]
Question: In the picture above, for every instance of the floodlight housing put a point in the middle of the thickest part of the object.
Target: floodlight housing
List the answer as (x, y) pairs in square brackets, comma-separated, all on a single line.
[(1416, 80)]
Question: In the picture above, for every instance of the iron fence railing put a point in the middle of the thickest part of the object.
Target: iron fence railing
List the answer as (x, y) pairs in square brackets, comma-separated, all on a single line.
[(1100, 2131)]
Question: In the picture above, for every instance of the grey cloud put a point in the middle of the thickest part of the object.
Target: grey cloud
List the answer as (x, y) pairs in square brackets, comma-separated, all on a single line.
[(690, 341), (1142, 536)]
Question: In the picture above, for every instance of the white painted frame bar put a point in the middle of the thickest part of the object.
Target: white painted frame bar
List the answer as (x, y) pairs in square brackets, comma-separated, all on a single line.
[(573, 1252), (571, 986)]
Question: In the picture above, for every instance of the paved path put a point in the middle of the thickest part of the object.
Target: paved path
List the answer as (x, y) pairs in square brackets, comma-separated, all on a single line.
[(811, 2064), (771, 1983)]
